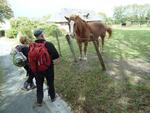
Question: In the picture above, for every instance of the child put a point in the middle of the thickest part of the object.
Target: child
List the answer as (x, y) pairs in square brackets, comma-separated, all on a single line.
[(24, 49)]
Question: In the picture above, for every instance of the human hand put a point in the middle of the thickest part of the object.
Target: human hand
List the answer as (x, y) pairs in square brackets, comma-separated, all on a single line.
[(57, 61)]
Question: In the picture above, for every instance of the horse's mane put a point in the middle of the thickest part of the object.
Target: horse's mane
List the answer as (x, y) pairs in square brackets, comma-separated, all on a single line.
[(81, 26)]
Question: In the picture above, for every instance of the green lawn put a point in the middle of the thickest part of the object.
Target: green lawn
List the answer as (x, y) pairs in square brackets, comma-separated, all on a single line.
[(123, 88)]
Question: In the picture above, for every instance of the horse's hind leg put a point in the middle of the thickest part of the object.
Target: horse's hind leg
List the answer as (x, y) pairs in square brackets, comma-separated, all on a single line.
[(103, 39), (102, 44), (85, 50), (98, 45)]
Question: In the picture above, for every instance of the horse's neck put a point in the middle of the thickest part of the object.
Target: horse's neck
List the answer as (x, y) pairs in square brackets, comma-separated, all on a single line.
[(82, 28)]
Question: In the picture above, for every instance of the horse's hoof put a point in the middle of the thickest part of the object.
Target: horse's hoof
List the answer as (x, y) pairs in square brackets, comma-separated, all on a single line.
[(80, 58), (85, 58)]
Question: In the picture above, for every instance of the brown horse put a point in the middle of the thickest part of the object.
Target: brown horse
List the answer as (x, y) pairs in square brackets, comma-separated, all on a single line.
[(86, 31)]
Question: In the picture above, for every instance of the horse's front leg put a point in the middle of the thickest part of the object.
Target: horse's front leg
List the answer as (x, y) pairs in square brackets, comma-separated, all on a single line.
[(80, 49), (85, 50)]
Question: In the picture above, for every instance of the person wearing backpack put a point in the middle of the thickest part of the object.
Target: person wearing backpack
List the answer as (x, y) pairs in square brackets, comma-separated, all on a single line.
[(22, 49), (41, 55)]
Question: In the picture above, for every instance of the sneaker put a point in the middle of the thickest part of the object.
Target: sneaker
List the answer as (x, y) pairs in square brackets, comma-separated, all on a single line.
[(53, 100), (36, 104), (26, 84)]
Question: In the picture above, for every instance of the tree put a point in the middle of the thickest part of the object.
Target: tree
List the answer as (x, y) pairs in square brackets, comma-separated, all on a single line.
[(20, 24), (135, 13), (104, 18), (119, 14), (5, 10)]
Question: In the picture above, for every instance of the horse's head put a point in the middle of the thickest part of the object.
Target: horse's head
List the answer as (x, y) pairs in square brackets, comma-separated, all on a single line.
[(72, 21)]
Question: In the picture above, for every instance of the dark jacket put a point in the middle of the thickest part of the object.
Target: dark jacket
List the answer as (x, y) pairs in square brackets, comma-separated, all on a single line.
[(24, 50)]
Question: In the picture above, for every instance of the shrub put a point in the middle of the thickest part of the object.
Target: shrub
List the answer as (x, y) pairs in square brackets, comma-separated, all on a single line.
[(27, 32), (25, 26), (21, 24), (11, 33), (54, 31)]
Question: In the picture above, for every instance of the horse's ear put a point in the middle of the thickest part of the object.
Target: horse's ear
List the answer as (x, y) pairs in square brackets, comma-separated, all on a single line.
[(67, 18)]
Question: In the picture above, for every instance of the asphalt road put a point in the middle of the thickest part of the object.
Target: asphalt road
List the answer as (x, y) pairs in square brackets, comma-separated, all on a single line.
[(15, 100)]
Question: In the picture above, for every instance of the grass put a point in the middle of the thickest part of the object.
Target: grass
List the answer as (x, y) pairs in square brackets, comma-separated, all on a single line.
[(132, 44), (89, 90)]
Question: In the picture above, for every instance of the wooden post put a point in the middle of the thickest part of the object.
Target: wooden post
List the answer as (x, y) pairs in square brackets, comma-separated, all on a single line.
[(71, 47), (58, 44), (99, 55)]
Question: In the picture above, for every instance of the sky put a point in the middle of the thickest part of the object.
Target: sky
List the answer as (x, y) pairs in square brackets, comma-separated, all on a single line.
[(39, 8)]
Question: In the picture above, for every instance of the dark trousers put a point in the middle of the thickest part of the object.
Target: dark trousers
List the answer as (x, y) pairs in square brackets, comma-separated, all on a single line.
[(49, 75), (29, 74)]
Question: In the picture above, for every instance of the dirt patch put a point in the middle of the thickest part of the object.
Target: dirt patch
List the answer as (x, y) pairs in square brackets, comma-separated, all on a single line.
[(137, 69)]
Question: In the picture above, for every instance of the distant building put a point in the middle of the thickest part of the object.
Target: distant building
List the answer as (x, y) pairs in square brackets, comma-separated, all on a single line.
[(85, 14), (3, 27), (59, 18)]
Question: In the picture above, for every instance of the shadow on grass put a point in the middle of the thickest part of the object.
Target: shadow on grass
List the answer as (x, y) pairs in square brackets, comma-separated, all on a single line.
[(133, 44)]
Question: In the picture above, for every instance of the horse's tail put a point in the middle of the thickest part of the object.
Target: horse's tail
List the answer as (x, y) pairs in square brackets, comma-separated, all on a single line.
[(109, 30)]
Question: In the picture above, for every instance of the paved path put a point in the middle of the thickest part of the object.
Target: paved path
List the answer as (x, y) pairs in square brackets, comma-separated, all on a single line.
[(15, 100)]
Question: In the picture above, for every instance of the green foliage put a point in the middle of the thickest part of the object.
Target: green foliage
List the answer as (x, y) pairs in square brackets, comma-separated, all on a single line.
[(50, 29), (26, 26), (11, 33), (5, 11), (27, 32), (54, 31), (21, 24), (135, 13)]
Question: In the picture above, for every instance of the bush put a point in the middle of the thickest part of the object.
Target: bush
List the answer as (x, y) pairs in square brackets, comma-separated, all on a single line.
[(25, 26), (27, 32), (54, 31), (21, 24), (11, 33), (51, 30)]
